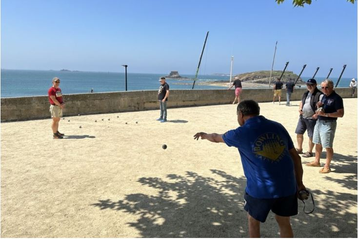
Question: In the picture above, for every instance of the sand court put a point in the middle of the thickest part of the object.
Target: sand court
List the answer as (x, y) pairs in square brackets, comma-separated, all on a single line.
[(112, 178)]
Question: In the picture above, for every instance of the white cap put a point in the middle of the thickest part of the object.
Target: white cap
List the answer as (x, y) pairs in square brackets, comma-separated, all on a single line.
[(353, 79)]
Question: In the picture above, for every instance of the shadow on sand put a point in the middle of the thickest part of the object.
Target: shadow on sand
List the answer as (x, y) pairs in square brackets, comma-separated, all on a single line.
[(177, 121), (78, 137), (197, 206)]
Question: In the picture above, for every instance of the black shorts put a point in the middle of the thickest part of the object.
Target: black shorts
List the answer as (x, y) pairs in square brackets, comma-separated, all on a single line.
[(305, 124), (259, 208)]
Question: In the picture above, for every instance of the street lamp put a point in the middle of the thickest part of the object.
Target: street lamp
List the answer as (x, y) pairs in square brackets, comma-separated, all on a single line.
[(125, 75)]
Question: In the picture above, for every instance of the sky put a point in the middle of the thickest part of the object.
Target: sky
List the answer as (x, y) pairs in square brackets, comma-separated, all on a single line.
[(158, 36)]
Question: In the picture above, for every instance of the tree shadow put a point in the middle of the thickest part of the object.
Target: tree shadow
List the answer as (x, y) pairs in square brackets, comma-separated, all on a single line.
[(197, 206), (347, 165), (78, 137), (186, 206)]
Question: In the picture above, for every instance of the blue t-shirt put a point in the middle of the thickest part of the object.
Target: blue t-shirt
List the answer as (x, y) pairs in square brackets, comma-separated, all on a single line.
[(264, 149), (331, 104)]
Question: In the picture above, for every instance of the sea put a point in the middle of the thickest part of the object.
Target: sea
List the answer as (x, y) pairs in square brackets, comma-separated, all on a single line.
[(24, 83)]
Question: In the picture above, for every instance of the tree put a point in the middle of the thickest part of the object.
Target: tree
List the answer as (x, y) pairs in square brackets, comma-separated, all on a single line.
[(301, 3)]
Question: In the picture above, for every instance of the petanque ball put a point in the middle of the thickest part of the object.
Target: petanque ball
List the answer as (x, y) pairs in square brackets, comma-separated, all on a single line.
[(164, 146), (80, 127)]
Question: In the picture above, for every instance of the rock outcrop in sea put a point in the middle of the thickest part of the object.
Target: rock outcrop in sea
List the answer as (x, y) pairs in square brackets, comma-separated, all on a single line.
[(175, 75)]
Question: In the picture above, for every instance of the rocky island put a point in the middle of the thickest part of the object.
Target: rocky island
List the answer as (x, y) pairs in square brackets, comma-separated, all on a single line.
[(175, 75)]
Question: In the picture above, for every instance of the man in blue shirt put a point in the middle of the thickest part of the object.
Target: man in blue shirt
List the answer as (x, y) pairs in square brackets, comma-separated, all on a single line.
[(271, 165)]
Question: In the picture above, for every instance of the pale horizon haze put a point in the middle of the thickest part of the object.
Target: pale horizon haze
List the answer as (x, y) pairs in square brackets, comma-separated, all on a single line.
[(158, 36)]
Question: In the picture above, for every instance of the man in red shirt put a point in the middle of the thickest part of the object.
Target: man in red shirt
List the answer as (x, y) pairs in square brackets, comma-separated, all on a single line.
[(56, 107)]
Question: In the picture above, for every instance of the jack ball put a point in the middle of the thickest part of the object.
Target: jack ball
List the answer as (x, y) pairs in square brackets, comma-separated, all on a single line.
[(164, 146)]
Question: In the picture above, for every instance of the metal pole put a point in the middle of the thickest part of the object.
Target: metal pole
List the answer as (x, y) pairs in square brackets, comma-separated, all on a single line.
[(232, 60), (273, 62), (304, 66), (315, 73), (284, 70), (344, 67), (125, 75), (201, 56), (329, 73)]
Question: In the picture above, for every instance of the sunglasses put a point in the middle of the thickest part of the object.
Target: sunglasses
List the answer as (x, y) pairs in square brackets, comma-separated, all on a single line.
[(325, 87)]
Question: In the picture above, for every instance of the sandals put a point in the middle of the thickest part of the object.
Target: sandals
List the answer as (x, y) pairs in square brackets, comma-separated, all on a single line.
[(299, 151), (307, 155), (324, 170), (313, 164)]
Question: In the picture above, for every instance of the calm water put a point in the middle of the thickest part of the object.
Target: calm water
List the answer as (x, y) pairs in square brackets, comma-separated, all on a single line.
[(17, 83)]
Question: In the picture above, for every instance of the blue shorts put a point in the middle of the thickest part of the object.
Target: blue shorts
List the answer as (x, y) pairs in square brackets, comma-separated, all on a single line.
[(324, 132), (305, 124), (259, 208)]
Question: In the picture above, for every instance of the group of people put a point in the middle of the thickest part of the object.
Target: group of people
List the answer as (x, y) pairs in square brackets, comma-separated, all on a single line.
[(271, 163), (277, 91)]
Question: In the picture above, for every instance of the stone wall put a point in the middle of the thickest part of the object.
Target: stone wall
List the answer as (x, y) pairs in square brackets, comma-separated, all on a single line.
[(37, 107)]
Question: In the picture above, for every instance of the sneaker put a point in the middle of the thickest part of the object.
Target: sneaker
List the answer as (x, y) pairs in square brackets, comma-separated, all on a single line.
[(61, 134), (163, 121), (57, 136), (159, 119)]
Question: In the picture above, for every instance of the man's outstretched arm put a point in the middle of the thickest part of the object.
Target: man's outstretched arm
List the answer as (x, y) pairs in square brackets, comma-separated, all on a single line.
[(214, 137)]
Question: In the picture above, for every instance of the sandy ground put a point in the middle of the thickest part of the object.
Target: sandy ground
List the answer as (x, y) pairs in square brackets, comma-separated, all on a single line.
[(111, 178)]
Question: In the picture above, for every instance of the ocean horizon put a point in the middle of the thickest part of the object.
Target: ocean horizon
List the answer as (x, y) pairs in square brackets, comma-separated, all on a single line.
[(24, 83)]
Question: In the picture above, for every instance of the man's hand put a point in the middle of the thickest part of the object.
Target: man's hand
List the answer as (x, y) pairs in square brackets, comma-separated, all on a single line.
[(200, 135), (214, 137)]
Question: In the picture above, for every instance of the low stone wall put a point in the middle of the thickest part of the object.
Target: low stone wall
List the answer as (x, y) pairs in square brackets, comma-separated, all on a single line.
[(29, 108)]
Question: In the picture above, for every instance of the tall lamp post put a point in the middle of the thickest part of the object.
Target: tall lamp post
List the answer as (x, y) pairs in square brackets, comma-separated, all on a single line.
[(125, 75)]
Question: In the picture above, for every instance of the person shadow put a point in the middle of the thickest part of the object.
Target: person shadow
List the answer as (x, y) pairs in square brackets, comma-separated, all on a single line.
[(78, 137), (178, 121)]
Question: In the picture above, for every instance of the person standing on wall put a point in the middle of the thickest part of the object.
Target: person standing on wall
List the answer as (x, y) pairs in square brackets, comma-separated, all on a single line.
[(56, 107), (163, 94)]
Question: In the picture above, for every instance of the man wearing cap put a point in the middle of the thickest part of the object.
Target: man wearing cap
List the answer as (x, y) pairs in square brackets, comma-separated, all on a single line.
[(163, 94), (307, 120), (57, 104), (353, 85), (331, 107)]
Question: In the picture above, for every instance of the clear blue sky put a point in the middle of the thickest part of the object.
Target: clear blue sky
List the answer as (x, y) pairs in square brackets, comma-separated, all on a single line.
[(157, 36)]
